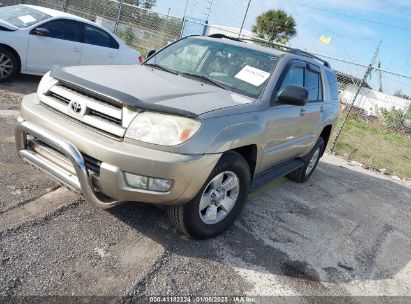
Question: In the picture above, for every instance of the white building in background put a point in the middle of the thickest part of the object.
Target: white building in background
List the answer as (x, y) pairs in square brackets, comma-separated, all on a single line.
[(228, 31), (370, 101)]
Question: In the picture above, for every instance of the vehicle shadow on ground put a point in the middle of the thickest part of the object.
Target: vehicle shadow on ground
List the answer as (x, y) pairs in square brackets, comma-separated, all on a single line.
[(25, 84), (340, 226)]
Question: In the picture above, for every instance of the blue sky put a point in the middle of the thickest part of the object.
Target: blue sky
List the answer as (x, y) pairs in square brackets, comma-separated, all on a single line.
[(355, 26)]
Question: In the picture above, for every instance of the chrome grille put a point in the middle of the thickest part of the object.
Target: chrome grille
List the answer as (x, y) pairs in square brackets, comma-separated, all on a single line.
[(97, 113), (104, 116), (60, 98)]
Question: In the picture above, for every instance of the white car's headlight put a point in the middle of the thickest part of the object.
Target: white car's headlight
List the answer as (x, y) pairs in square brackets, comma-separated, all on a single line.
[(46, 82), (162, 129)]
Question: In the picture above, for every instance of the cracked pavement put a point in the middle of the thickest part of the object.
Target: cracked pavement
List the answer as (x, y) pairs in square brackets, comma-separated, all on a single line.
[(345, 232)]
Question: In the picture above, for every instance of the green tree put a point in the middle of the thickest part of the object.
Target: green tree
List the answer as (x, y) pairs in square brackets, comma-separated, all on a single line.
[(127, 35), (400, 94), (393, 117), (275, 26), (148, 4)]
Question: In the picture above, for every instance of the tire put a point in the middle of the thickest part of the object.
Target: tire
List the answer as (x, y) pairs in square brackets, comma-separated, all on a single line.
[(304, 173), (232, 169), (8, 65)]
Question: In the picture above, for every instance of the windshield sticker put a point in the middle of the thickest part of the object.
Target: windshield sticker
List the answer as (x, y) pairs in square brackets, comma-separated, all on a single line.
[(252, 75), (27, 19)]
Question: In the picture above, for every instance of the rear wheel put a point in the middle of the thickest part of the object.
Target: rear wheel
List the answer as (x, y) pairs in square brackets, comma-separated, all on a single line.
[(8, 65), (303, 174), (218, 203)]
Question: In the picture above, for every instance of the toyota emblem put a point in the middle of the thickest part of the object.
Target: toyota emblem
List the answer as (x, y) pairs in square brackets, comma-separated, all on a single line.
[(76, 107)]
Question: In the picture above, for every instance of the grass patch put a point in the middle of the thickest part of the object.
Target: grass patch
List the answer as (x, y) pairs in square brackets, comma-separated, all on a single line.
[(377, 146)]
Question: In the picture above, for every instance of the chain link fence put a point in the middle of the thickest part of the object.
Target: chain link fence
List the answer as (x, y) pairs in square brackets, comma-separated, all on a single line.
[(377, 130), (374, 127)]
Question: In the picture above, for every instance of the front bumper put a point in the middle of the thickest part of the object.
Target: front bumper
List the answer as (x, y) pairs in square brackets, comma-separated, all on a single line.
[(68, 160)]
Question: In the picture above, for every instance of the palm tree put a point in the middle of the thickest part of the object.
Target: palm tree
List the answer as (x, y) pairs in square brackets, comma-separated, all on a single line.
[(275, 26)]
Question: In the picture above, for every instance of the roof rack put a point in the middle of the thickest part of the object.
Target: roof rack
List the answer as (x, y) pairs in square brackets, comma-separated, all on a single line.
[(282, 47), (222, 36)]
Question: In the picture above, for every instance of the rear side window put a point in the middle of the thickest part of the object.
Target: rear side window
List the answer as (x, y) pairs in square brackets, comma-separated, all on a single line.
[(313, 85), (63, 29), (96, 36), (332, 81)]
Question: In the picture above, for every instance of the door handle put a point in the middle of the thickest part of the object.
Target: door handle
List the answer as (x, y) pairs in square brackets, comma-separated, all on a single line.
[(302, 112), (76, 49), (111, 55), (322, 109)]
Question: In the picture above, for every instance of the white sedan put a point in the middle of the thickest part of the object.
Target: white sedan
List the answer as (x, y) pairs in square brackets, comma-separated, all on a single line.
[(33, 39)]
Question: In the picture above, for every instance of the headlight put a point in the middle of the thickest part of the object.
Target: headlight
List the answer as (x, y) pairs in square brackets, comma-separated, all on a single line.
[(162, 129), (46, 82)]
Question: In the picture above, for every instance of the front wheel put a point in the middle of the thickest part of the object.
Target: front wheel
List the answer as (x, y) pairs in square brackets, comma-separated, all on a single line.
[(8, 65), (303, 174), (218, 203)]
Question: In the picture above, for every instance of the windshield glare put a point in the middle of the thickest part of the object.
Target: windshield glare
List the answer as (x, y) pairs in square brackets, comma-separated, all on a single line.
[(22, 16), (239, 69)]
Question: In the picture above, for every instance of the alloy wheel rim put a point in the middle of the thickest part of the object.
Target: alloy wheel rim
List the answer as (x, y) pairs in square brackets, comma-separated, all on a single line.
[(313, 161), (6, 66), (219, 197)]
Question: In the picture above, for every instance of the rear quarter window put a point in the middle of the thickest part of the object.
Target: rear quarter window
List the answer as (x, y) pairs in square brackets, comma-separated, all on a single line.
[(99, 37), (332, 82)]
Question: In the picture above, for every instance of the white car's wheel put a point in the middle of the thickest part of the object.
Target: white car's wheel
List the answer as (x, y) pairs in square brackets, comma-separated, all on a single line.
[(8, 65)]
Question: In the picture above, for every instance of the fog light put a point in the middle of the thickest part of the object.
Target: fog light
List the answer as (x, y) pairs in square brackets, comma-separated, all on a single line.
[(148, 183), (159, 185), (136, 181)]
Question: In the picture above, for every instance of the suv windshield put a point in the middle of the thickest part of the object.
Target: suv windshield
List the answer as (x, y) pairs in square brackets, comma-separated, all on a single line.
[(235, 68), (22, 16)]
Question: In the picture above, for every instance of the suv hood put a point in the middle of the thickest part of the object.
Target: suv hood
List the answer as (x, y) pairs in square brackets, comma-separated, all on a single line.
[(149, 88)]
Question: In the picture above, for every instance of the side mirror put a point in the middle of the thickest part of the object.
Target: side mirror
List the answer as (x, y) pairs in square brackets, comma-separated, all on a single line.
[(150, 53), (42, 32), (293, 95)]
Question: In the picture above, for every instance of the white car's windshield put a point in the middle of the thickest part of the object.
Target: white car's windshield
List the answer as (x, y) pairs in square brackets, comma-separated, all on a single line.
[(239, 69), (22, 16)]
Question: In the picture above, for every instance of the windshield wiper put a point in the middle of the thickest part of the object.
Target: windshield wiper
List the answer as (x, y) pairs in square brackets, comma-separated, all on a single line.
[(205, 79), (160, 67)]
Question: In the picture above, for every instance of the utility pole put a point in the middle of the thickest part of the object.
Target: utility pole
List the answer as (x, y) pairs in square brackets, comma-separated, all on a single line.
[(185, 9), (209, 9), (380, 76), (120, 8), (63, 5), (245, 16)]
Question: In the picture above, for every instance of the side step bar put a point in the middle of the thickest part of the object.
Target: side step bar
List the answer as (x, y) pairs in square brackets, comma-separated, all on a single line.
[(275, 172)]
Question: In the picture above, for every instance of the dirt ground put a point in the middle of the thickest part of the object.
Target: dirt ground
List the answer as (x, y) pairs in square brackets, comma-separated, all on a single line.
[(345, 232)]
